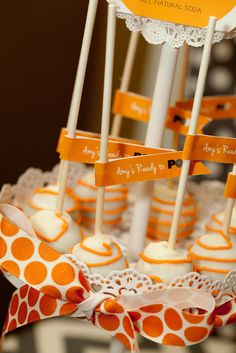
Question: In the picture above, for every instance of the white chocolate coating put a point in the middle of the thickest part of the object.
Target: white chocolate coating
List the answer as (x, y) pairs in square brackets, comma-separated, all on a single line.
[(163, 264), (216, 223), (59, 232), (100, 254), (46, 199), (162, 210), (213, 256), (115, 200)]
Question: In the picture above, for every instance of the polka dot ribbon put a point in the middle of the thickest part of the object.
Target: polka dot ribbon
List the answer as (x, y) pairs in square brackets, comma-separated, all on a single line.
[(55, 286)]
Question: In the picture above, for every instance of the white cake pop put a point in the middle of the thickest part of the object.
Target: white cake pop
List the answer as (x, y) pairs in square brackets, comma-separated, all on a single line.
[(162, 211), (100, 254), (216, 224), (214, 255), (58, 231), (115, 200), (46, 199), (163, 264)]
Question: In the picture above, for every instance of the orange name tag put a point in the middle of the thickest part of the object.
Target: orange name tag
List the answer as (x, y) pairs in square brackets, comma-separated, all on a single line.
[(87, 150), (210, 148), (230, 187), (222, 107), (132, 106), (144, 168)]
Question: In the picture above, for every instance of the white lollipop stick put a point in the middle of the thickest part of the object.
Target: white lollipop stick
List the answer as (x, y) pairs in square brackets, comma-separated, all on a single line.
[(125, 80), (154, 138), (229, 210), (192, 129), (184, 57), (106, 109), (76, 98), (183, 72)]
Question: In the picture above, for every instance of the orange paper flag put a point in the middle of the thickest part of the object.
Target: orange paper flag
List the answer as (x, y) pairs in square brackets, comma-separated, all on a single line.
[(136, 107), (88, 134), (87, 150), (132, 106), (210, 148), (219, 107), (144, 168)]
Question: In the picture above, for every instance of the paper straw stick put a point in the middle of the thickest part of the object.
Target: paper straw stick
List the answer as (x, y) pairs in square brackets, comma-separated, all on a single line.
[(125, 80), (106, 109), (154, 138), (229, 210), (76, 98), (192, 130)]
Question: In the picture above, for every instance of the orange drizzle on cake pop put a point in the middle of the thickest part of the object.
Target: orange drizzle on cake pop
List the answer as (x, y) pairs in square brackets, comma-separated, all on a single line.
[(69, 192), (122, 189), (64, 228), (153, 234), (164, 261), (106, 212), (107, 252), (184, 213), (214, 217), (187, 202)]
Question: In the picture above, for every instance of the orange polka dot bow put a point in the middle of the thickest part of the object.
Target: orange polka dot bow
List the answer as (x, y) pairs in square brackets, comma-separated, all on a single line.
[(55, 286)]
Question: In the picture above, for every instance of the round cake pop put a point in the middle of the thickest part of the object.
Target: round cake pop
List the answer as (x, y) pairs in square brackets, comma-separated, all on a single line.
[(216, 223), (162, 264), (100, 254), (162, 211), (115, 200), (46, 199), (59, 231), (214, 255)]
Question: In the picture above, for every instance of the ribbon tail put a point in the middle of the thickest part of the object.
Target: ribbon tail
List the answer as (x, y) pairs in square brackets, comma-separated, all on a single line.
[(28, 306), (112, 318), (225, 314)]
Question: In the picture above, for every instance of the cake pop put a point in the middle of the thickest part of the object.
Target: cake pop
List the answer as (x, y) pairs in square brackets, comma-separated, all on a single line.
[(46, 198), (214, 255), (59, 231), (162, 211), (115, 200), (100, 254), (216, 223), (162, 264)]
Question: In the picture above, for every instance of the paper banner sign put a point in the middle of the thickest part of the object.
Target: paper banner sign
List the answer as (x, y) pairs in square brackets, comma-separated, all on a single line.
[(230, 187), (210, 148), (138, 107), (56, 286), (144, 168), (195, 13), (217, 107), (87, 150)]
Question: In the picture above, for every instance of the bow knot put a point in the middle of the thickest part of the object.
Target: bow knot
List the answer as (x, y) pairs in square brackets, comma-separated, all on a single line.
[(56, 286)]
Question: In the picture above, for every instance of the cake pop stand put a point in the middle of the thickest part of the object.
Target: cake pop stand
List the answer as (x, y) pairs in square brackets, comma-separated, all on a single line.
[(172, 36)]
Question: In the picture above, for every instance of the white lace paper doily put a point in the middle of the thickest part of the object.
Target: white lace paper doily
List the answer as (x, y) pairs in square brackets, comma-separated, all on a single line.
[(129, 281), (159, 32)]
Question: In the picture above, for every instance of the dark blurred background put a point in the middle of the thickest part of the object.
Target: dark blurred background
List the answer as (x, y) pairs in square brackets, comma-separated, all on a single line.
[(40, 47)]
